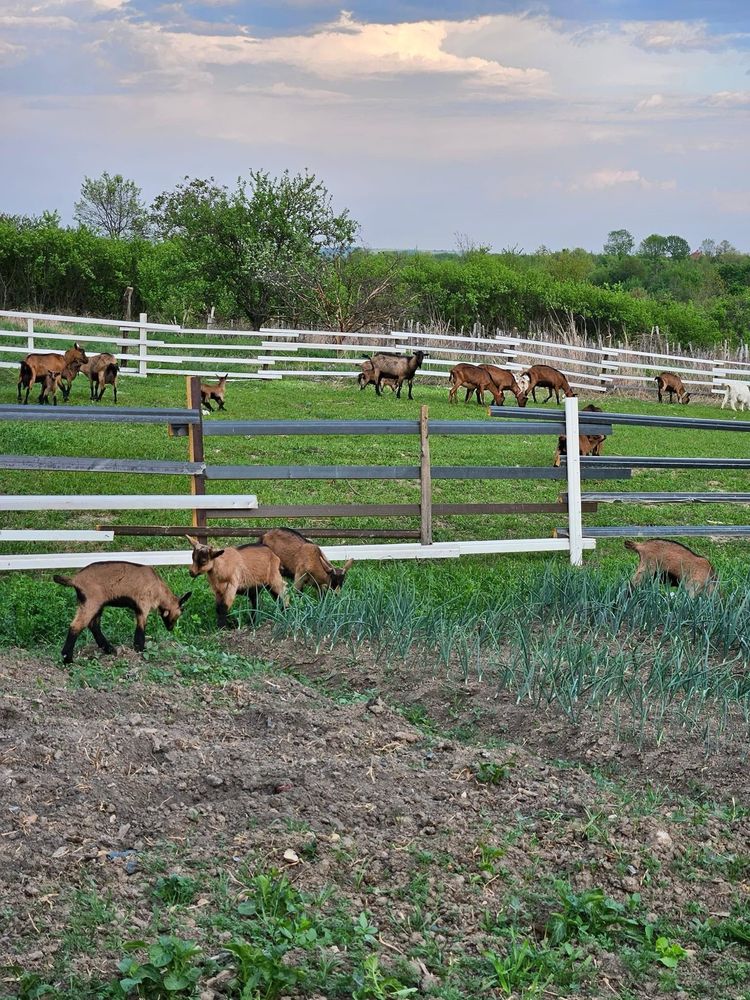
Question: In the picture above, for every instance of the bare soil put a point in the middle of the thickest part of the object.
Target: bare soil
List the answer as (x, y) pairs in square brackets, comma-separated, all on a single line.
[(211, 777)]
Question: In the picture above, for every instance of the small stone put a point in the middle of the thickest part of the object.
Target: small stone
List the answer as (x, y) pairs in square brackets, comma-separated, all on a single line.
[(291, 857), (660, 840), (376, 705), (407, 737), (214, 780)]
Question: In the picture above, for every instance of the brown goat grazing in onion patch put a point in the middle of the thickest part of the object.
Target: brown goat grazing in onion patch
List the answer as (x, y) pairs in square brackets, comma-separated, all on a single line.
[(675, 564), (214, 392), (118, 585), (246, 569), (303, 561)]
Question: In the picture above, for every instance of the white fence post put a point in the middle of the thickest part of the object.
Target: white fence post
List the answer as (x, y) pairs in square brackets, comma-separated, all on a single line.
[(30, 333), (142, 345), (573, 463)]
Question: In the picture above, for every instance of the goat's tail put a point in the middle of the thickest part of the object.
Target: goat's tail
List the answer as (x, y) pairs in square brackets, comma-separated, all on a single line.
[(631, 545), (64, 581)]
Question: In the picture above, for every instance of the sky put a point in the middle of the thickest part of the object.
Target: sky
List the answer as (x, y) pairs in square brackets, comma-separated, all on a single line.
[(509, 124)]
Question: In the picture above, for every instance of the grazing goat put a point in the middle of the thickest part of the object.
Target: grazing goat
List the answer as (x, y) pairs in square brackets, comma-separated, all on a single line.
[(215, 393), (671, 383), (673, 563), (118, 585), (102, 370), (368, 377), (242, 570), (503, 379), (35, 366), (736, 392), (476, 379), (396, 366), (302, 560), (545, 377), (588, 444)]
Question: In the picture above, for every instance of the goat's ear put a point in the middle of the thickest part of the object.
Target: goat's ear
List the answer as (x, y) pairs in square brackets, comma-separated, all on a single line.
[(347, 566), (215, 553), (182, 601), (193, 541)]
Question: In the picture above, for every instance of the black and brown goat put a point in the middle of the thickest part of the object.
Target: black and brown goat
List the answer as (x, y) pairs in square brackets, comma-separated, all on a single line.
[(302, 560), (588, 444), (118, 585), (544, 377), (674, 563), (51, 383), (246, 569), (476, 379), (102, 370), (400, 367), (214, 392), (35, 366), (672, 384)]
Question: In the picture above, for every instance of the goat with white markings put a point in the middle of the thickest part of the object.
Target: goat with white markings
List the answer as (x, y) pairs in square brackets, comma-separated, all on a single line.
[(736, 392), (118, 585)]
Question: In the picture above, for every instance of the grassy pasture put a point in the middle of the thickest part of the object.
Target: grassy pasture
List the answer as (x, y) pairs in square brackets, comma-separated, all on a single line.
[(555, 728)]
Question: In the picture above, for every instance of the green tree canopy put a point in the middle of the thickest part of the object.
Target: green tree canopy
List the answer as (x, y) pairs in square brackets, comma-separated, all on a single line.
[(619, 243), (111, 206), (248, 246), (677, 248)]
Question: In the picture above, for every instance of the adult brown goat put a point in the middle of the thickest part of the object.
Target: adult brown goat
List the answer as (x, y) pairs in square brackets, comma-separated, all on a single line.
[(504, 379), (476, 379), (672, 384), (397, 366), (102, 370), (302, 560), (675, 564), (35, 366), (214, 392), (545, 377), (246, 569), (118, 585)]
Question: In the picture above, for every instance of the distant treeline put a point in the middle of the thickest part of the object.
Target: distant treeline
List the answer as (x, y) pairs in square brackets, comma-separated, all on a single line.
[(46, 267)]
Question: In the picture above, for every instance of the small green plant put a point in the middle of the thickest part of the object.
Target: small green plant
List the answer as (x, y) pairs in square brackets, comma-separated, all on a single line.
[(373, 984), (668, 952), (175, 889), (488, 772), (171, 969), (261, 972)]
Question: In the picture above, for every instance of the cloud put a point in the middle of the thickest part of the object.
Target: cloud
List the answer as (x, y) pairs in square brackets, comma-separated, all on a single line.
[(601, 180), (679, 36), (729, 99), (649, 103)]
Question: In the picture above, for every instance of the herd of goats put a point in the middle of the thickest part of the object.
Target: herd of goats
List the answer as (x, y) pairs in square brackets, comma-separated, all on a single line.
[(283, 554)]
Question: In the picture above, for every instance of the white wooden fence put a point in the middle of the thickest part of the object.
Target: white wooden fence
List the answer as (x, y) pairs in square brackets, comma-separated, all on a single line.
[(145, 348)]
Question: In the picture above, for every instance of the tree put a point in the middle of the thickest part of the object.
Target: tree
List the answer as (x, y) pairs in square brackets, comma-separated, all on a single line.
[(653, 247), (677, 248), (111, 206), (708, 248), (248, 247), (619, 243)]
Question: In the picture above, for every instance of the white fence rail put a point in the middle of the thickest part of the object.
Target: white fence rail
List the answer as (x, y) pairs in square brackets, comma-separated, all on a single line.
[(145, 348)]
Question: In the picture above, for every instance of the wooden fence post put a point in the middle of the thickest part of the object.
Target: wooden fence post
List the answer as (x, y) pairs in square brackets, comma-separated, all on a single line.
[(143, 348), (195, 450), (30, 333), (573, 463), (425, 494)]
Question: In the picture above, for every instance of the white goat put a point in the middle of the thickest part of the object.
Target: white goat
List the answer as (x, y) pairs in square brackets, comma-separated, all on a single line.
[(736, 392)]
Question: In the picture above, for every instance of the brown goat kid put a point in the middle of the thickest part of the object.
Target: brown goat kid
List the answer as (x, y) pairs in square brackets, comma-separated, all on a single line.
[(102, 370), (675, 564), (475, 379), (544, 377), (118, 585), (242, 570), (215, 393), (302, 560), (396, 366), (368, 377), (35, 366), (50, 385), (672, 384)]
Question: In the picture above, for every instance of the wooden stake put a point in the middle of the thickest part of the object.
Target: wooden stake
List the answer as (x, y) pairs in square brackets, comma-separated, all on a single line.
[(195, 450), (425, 500)]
